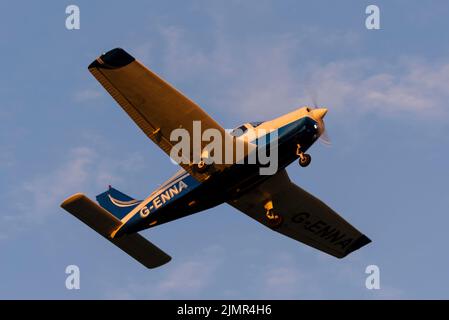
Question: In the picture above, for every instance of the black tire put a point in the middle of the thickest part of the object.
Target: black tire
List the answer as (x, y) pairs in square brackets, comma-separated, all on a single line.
[(202, 167), (305, 160), (275, 223)]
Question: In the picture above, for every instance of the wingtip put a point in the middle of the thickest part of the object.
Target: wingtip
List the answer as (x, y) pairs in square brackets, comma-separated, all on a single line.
[(71, 199), (113, 59), (359, 243), (164, 262)]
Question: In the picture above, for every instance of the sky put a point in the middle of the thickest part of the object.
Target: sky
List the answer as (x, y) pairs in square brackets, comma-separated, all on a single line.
[(386, 171)]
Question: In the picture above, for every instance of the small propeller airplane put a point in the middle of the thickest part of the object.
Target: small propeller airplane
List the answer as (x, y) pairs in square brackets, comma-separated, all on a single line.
[(273, 200)]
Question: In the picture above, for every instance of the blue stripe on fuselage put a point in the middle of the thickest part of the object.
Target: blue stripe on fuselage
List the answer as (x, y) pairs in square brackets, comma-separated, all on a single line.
[(161, 198), (183, 183), (290, 130)]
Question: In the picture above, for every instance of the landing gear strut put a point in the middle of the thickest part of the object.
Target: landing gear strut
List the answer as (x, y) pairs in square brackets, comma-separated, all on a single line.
[(274, 220), (304, 158)]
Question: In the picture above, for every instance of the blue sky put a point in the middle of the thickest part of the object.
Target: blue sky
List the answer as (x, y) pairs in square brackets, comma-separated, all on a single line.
[(386, 172)]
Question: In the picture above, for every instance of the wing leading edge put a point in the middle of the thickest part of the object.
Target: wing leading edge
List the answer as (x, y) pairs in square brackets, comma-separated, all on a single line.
[(153, 104), (306, 218)]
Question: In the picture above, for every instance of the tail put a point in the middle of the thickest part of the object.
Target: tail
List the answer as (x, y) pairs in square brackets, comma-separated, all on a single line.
[(117, 203), (105, 224)]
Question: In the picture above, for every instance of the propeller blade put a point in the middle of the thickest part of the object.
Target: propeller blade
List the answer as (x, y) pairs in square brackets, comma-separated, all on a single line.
[(324, 139)]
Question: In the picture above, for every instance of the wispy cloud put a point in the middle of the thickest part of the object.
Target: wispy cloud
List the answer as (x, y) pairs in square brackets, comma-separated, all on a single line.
[(368, 85), (6, 157), (39, 197), (282, 278), (45, 191), (36, 198), (262, 77), (282, 281), (251, 76), (187, 278), (88, 95)]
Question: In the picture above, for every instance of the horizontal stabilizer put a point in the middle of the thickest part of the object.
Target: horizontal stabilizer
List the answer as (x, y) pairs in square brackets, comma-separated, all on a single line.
[(105, 223)]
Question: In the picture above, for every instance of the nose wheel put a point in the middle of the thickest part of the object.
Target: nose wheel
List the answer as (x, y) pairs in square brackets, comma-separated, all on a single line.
[(304, 158), (274, 220)]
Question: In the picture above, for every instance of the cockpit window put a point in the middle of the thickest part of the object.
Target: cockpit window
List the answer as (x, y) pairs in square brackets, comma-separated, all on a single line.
[(256, 123), (237, 132)]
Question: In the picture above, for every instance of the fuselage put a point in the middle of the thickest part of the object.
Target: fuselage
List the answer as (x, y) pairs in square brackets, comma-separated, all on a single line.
[(183, 195)]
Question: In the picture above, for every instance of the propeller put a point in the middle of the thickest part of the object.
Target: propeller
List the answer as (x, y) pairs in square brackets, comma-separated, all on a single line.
[(324, 137), (319, 112)]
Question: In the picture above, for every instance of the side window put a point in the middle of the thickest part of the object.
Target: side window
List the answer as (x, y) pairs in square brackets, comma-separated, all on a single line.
[(237, 132)]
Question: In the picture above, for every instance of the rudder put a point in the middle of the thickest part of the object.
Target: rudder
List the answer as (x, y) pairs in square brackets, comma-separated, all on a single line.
[(116, 202)]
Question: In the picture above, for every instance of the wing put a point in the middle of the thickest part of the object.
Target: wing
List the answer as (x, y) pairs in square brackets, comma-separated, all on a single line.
[(153, 104), (305, 218)]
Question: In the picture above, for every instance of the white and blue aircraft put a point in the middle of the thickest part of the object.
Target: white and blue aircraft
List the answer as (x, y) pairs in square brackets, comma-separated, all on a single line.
[(273, 200)]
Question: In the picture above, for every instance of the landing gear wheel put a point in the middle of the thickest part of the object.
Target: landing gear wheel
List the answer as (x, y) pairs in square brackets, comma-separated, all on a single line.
[(274, 220), (201, 167), (304, 160)]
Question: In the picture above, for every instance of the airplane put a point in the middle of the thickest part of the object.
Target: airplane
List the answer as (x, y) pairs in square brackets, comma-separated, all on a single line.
[(273, 200)]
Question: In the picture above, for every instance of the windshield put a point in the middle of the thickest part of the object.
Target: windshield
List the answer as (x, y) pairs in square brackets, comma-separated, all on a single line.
[(237, 132), (256, 123)]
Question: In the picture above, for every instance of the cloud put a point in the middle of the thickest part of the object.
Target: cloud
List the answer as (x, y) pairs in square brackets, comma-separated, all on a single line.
[(45, 191), (193, 275), (262, 77), (282, 278), (251, 76), (187, 278), (366, 85), (6, 157), (385, 292), (39, 197), (87, 95)]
